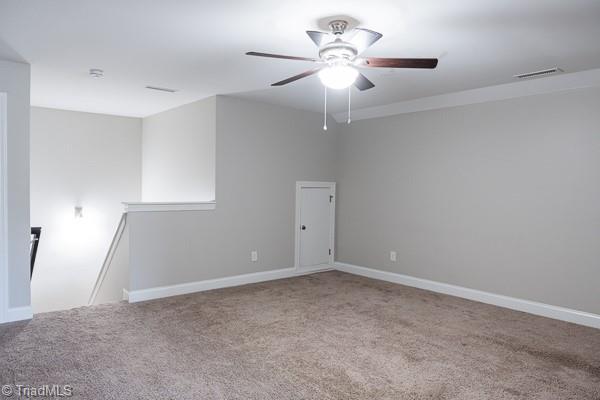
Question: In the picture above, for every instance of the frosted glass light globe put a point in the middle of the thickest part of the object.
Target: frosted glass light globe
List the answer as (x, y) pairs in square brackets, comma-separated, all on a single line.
[(338, 76)]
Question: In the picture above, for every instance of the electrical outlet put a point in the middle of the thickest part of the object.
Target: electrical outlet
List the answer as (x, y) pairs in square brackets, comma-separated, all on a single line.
[(254, 256), (392, 256)]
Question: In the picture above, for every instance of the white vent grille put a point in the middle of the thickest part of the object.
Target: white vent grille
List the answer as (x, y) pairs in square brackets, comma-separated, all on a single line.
[(538, 73), (161, 89)]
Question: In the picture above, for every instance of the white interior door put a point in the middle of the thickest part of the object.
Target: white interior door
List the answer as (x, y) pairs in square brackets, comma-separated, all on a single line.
[(315, 225)]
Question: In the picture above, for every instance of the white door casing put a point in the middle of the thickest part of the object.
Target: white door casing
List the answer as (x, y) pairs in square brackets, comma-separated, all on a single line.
[(3, 213), (315, 225)]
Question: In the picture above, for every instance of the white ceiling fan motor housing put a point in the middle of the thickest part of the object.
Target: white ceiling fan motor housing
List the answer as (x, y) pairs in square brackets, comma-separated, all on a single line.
[(338, 51)]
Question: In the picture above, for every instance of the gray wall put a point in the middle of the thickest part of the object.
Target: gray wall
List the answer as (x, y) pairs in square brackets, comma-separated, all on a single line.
[(261, 151), (503, 197), (14, 80), (78, 159)]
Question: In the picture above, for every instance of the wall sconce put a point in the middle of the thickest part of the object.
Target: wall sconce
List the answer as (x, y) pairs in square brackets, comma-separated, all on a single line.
[(78, 212)]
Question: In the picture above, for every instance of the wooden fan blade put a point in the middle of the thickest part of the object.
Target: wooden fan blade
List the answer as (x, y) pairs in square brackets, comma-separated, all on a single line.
[(254, 53), (317, 37), (363, 83), (296, 77), (364, 38), (375, 62)]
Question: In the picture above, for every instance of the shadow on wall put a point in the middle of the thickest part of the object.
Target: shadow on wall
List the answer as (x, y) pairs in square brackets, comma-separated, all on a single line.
[(178, 154)]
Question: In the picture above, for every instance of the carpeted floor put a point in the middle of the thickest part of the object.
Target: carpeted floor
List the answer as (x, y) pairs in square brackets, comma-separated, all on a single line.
[(323, 336)]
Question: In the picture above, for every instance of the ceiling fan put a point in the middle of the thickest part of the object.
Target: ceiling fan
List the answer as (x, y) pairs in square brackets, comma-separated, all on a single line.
[(339, 58)]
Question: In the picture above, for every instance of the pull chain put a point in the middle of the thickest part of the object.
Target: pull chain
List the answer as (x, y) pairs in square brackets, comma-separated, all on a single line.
[(325, 113), (349, 91)]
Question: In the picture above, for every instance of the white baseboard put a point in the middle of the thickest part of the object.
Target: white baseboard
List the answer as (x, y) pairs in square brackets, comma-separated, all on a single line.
[(125, 294), (19, 314), (532, 307), (200, 286), (312, 269)]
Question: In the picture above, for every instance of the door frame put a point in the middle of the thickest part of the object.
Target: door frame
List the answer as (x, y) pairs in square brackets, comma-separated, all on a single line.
[(3, 209), (311, 184)]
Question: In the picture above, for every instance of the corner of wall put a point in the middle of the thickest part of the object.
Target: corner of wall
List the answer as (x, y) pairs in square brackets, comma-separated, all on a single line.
[(15, 81)]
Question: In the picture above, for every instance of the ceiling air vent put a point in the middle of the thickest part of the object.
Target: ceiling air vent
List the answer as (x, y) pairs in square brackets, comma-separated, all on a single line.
[(534, 74), (161, 89)]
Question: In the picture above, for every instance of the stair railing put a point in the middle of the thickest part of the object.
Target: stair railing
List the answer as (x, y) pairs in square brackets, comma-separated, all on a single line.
[(36, 232), (109, 257)]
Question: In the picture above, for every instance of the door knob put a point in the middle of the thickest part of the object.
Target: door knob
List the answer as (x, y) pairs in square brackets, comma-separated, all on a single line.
[(303, 227)]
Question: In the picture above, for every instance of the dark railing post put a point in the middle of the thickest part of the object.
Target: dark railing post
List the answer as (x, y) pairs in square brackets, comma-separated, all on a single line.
[(35, 233)]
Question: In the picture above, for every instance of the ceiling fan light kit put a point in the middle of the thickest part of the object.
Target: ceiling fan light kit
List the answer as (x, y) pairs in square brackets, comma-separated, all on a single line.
[(339, 56), (338, 76)]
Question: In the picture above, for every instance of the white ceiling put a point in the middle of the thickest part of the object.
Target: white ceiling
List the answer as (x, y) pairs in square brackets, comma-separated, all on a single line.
[(198, 47)]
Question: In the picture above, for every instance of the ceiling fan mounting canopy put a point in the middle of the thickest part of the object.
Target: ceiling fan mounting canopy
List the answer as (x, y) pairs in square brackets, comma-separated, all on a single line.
[(338, 26)]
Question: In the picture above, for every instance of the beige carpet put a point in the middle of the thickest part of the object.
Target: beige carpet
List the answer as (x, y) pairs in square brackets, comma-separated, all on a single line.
[(324, 336)]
